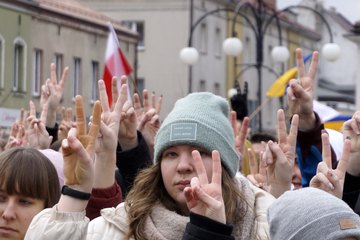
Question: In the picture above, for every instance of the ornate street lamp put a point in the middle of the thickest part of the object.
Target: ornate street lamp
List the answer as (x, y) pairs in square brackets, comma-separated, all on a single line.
[(258, 19)]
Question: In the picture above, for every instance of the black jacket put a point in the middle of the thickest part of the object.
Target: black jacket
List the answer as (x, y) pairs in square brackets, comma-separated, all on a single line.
[(201, 227)]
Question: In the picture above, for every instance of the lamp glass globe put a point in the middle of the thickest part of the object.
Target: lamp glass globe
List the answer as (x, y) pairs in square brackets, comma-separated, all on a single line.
[(232, 46), (280, 53), (189, 55), (331, 51)]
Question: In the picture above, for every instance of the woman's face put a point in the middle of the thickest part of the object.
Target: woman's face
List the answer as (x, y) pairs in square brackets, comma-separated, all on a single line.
[(177, 170), (16, 214)]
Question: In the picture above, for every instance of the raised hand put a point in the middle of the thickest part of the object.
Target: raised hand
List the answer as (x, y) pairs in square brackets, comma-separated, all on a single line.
[(326, 178), (258, 174), (106, 141), (279, 158), (147, 115), (142, 108), (66, 122), (79, 148), (204, 197), (52, 92), (351, 130), (17, 136), (240, 132), (37, 135), (300, 91), (148, 126)]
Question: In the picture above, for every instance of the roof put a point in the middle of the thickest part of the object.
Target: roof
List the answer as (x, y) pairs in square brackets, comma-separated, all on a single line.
[(75, 9), (341, 20)]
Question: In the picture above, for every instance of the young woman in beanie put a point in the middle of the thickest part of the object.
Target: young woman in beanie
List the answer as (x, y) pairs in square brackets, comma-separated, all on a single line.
[(190, 192)]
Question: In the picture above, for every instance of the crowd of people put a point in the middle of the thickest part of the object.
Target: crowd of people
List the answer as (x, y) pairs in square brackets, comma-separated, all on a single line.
[(198, 174)]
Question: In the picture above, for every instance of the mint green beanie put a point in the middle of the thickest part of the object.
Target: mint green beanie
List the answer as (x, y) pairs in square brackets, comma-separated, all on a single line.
[(201, 120)]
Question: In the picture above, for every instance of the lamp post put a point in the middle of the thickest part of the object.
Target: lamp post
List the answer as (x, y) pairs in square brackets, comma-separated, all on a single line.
[(258, 16)]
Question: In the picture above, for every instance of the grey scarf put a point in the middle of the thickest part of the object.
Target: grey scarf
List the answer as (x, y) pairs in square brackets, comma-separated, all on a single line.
[(163, 224)]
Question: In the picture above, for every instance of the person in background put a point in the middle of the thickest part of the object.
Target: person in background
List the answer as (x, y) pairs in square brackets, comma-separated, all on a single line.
[(190, 187), (28, 184), (311, 213), (300, 94)]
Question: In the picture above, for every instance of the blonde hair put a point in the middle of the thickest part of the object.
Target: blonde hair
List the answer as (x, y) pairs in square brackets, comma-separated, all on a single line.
[(141, 200)]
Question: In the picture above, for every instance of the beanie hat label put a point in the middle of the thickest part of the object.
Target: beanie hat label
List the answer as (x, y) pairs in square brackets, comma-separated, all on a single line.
[(347, 223), (183, 131)]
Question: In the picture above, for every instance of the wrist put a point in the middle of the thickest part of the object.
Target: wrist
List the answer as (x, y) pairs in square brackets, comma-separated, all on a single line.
[(129, 143), (70, 204), (353, 167), (307, 121), (278, 189), (71, 192)]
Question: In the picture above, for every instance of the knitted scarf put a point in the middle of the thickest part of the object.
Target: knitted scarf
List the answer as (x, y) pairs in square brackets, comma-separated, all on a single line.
[(163, 224)]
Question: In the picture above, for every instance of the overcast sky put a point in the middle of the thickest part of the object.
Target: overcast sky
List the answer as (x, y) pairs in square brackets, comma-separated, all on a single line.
[(349, 8)]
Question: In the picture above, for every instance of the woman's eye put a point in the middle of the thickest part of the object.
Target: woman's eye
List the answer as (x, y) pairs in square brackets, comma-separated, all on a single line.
[(170, 154), (24, 201), (2, 198)]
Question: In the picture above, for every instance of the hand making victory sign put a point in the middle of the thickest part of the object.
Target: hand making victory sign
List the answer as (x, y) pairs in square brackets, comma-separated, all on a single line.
[(204, 197), (326, 178), (300, 91)]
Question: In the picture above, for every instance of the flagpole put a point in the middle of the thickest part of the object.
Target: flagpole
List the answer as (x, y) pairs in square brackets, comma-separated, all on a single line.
[(259, 108)]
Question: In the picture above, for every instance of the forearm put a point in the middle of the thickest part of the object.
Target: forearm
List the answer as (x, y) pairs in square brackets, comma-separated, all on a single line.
[(128, 143), (277, 189), (105, 165), (51, 118), (353, 167), (71, 204), (49, 223), (307, 122)]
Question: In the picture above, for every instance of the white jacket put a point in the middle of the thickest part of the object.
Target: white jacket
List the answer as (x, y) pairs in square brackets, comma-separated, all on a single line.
[(112, 224)]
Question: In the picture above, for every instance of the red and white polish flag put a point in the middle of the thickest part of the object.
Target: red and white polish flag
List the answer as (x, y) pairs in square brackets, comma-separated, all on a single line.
[(116, 63)]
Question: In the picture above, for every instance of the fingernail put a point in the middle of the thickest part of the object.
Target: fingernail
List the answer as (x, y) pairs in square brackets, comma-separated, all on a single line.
[(331, 186)]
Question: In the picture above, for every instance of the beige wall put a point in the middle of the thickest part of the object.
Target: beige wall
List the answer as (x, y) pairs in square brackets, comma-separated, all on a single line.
[(56, 34)]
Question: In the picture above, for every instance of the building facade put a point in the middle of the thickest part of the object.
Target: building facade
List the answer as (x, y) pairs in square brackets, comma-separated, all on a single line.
[(164, 27), (35, 33)]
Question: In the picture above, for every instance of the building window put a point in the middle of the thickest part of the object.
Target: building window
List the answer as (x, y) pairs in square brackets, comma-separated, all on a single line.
[(77, 76), (19, 81), (139, 27), (37, 71), (218, 43), (95, 78), (217, 89), (2, 61), (202, 86), (59, 64), (203, 38)]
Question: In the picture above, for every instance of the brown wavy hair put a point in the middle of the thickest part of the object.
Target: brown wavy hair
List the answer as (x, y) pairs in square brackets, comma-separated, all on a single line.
[(149, 189), (28, 172)]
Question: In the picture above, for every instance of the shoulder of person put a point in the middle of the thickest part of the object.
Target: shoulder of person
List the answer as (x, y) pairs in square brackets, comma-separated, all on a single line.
[(112, 222)]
